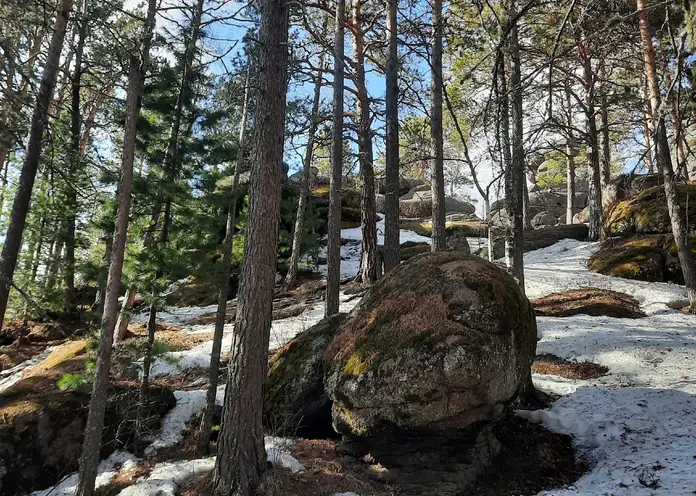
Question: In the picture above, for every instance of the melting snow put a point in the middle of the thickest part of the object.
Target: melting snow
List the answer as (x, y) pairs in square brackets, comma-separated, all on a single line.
[(108, 469), (12, 376), (637, 425)]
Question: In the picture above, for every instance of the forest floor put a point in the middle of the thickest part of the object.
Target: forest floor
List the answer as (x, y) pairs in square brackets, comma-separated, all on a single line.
[(626, 388)]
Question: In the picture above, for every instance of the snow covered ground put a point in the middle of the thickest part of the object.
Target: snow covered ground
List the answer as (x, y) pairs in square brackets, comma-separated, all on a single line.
[(351, 251), (637, 425)]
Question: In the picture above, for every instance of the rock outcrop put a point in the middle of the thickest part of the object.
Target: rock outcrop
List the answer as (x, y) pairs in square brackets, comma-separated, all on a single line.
[(646, 212), (443, 341), (295, 400), (458, 243), (418, 203), (544, 219), (644, 258)]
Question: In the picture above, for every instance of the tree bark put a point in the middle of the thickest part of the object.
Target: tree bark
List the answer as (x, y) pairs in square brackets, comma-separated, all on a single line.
[(391, 207), (647, 130), (570, 157), (75, 157), (514, 178), (676, 211), (368, 207), (682, 168), (206, 425), (594, 174), (333, 249), (604, 116), (39, 122), (241, 458), (171, 172), (438, 234), (298, 232), (89, 460)]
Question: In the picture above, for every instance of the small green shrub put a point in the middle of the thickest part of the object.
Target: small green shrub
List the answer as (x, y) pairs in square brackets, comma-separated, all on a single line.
[(75, 382)]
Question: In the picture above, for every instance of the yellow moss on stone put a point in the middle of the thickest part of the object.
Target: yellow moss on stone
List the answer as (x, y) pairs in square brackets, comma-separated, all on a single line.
[(356, 365)]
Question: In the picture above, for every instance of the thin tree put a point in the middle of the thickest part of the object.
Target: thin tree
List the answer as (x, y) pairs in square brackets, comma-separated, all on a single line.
[(333, 249), (75, 155), (171, 166), (604, 119), (163, 204), (368, 207), (391, 203), (203, 442), (291, 276), (514, 177), (676, 211), (241, 456), (439, 236), (570, 155), (594, 174), (25, 185), (89, 461)]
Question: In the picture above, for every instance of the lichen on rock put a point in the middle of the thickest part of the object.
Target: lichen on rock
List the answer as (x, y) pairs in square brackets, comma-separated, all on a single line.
[(445, 340)]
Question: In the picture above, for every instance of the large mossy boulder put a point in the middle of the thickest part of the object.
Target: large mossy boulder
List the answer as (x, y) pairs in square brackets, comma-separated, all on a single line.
[(295, 400), (350, 205), (418, 203), (443, 341), (627, 186), (644, 258), (406, 184), (646, 212)]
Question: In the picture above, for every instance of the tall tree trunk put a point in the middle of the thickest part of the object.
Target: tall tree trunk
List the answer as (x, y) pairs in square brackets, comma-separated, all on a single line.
[(368, 210), (298, 232), (333, 249), (604, 116), (206, 425), (89, 460), (391, 201), (677, 214), (241, 458), (570, 157), (594, 174), (17, 100), (39, 121), (75, 158), (514, 177), (125, 313), (438, 235), (171, 172), (163, 203)]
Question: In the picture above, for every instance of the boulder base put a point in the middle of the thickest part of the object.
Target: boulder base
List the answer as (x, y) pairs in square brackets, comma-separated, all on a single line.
[(295, 400), (443, 341)]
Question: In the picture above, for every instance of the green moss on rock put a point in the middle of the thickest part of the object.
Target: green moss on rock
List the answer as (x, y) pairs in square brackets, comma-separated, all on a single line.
[(643, 258), (443, 339), (646, 212)]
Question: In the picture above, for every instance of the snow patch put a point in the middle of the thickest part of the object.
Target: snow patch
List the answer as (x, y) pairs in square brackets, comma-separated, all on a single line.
[(188, 404), (12, 376), (563, 266), (630, 436), (108, 469), (166, 479)]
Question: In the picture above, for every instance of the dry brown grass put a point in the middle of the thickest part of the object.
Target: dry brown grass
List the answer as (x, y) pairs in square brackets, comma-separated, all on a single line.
[(553, 365), (589, 301)]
